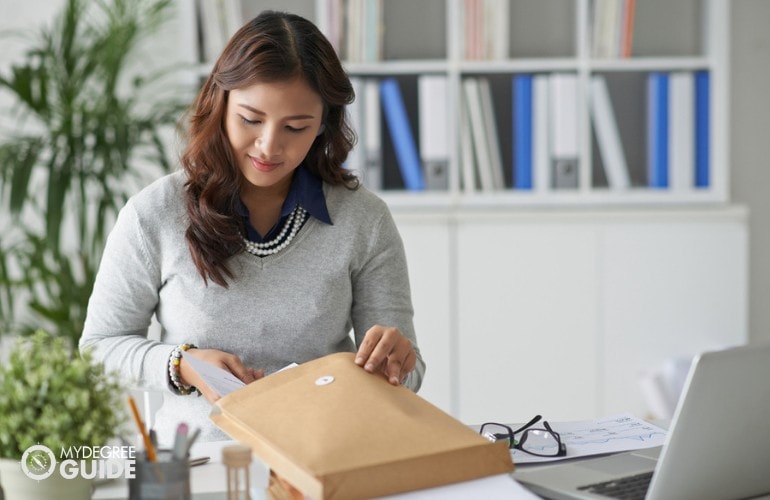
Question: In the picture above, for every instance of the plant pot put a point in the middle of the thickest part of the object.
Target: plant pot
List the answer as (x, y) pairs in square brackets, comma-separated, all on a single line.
[(17, 486)]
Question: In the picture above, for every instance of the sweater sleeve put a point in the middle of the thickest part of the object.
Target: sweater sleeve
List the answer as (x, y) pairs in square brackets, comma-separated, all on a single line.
[(121, 306), (381, 292)]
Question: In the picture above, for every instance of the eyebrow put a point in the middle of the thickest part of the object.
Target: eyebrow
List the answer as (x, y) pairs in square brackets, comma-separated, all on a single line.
[(293, 117)]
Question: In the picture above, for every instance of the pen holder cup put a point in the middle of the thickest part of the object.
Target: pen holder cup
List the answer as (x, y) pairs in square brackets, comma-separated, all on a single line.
[(164, 479)]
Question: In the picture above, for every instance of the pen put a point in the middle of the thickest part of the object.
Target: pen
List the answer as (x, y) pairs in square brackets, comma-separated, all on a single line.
[(150, 449), (180, 442), (154, 438), (199, 461), (191, 440)]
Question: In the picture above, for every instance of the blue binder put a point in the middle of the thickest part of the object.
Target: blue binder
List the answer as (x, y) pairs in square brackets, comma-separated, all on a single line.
[(522, 130), (702, 127), (401, 134), (657, 130)]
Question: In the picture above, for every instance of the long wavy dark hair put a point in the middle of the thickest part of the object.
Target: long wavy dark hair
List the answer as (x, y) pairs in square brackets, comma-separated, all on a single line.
[(273, 47)]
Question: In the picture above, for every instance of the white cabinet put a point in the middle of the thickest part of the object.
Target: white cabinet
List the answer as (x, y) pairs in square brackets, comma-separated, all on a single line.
[(428, 243), (558, 312)]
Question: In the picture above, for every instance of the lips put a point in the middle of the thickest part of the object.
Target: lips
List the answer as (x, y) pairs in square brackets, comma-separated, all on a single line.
[(262, 165)]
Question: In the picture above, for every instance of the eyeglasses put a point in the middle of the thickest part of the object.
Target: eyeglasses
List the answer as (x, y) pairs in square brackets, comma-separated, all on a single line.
[(535, 441)]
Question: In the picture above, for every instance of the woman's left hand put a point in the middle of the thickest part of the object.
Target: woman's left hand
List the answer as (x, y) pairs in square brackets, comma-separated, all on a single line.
[(386, 349)]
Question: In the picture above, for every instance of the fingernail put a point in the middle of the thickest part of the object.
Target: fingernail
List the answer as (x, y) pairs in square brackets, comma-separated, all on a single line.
[(359, 360), (394, 380), (369, 367)]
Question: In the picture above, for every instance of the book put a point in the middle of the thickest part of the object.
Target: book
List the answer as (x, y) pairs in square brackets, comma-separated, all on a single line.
[(627, 33), (604, 28), (607, 136), (467, 154), (329, 19), (541, 151), (564, 130), (492, 135), (522, 131), (372, 172), (487, 29), (681, 151), (433, 102), (473, 29), (220, 20), (353, 33), (497, 29), (702, 129), (657, 130), (481, 150), (401, 133), (372, 42)]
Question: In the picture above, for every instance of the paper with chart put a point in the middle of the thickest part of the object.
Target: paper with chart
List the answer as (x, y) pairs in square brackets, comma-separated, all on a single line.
[(611, 434)]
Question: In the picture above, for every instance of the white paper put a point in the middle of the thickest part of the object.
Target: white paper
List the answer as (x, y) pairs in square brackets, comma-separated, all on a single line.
[(502, 487), (220, 381), (611, 434)]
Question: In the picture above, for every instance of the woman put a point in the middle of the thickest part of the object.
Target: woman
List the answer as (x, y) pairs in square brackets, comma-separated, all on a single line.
[(263, 250)]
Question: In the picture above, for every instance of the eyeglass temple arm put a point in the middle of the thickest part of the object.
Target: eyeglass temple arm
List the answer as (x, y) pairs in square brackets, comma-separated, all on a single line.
[(529, 424)]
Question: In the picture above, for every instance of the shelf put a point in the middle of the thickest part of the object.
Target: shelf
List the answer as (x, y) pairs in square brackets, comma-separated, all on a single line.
[(429, 40), (402, 67), (651, 64), (567, 199)]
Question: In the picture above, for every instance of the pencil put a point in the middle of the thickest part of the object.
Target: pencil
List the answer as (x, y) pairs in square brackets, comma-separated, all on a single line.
[(150, 449)]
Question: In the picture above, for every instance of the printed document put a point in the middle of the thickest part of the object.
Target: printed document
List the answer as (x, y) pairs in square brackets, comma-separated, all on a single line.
[(611, 434)]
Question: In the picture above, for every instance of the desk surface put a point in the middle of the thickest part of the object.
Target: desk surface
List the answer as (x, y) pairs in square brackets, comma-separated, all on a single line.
[(207, 482)]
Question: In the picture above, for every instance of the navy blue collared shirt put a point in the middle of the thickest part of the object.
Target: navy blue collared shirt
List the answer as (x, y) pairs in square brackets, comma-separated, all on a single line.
[(306, 190)]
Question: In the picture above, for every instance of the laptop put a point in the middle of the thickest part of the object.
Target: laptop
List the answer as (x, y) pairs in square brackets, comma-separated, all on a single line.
[(718, 444)]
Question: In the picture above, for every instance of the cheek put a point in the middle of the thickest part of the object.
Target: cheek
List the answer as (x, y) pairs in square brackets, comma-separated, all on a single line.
[(307, 144), (238, 139)]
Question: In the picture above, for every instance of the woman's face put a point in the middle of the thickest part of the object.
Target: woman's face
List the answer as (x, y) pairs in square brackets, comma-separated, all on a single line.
[(271, 127)]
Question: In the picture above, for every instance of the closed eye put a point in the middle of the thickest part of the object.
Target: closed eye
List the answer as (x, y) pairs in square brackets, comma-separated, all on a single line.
[(247, 121), (295, 129)]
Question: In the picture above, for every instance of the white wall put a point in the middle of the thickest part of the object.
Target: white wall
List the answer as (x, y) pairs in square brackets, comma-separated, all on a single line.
[(750, 147)]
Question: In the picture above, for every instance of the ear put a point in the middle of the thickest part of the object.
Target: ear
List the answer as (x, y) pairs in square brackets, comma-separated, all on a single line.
[(321, 129)]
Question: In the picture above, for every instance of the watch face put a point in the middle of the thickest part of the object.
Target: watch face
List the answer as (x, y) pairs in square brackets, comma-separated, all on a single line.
[(38, 462)]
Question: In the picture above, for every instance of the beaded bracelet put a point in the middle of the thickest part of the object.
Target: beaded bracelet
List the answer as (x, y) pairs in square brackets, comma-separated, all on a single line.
[(173, 370)]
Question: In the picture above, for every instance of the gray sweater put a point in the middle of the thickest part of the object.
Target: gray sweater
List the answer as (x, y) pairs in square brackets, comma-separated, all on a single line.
[(293, 306)]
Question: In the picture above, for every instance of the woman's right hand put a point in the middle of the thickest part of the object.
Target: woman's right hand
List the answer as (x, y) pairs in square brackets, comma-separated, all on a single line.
[(220, 359)]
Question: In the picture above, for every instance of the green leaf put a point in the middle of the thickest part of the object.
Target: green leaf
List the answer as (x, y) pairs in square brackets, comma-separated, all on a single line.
[(87, 138)]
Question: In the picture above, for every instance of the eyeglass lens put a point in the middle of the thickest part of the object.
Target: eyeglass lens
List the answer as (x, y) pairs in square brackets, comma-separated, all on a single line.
[(540, 442)]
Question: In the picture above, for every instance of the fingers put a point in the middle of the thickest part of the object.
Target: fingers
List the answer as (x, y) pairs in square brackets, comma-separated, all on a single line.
[(220, 359), (234, 365), (387, 350)]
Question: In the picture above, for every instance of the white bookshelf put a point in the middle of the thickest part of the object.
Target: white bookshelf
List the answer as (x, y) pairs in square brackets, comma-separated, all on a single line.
[(549, 36), (607, 282)]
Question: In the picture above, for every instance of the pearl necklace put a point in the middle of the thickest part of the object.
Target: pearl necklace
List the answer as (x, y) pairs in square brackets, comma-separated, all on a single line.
[(294, 221)]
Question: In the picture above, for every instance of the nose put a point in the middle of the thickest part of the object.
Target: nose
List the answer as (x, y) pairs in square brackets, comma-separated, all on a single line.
[(269, 141)]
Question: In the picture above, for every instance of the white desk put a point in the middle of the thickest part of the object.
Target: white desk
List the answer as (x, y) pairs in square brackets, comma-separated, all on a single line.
[(207, 482)]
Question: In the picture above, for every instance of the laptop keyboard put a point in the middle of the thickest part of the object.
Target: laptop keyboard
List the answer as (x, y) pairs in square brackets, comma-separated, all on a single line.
[(629, 487)]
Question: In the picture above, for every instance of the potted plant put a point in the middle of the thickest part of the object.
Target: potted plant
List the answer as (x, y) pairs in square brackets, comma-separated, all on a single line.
[(53, 400), (90, 124)]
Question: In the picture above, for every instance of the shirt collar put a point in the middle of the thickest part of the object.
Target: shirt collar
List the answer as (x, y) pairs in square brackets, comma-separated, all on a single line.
[(305, 190)]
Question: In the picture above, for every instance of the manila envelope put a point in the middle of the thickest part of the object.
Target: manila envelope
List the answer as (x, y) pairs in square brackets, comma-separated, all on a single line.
[(332, 430)]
